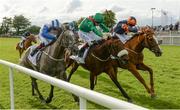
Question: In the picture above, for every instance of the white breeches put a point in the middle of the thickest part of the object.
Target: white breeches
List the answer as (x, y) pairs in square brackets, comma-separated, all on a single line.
[(88, 37)]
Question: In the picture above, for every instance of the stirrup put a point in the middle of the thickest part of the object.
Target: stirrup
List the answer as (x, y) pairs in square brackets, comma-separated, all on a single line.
[(79, 60), (34, 52)]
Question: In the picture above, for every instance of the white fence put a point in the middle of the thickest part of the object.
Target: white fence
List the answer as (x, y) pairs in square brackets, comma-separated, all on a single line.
[(83, 93), (169, 40)]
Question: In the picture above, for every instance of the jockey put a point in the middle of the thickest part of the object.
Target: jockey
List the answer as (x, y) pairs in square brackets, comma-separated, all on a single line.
[(47, 34), (73, 26), (125, 26), (89, 33), (24, 37)]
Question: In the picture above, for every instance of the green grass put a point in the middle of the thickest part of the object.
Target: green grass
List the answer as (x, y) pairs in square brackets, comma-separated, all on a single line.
[(166, 74)]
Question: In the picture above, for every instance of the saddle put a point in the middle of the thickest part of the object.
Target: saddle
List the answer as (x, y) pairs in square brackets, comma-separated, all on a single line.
[(21, 44), (35, 58)]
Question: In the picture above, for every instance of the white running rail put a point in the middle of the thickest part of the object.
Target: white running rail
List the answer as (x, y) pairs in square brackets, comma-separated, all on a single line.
[(83, 93)]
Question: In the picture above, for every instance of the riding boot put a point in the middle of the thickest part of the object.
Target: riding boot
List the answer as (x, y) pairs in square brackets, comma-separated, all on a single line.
[(100, 41), (37, 49), (81, 51)]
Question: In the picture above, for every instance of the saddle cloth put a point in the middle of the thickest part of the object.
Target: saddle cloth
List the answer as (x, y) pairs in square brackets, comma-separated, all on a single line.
[(33, 59), (21, 44)]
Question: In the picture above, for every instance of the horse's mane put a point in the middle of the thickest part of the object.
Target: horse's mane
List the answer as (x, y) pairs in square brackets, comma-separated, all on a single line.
[(135, 35), (101, 42), (145, 29)]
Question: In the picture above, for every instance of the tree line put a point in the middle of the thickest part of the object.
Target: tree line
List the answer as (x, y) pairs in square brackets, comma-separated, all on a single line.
[(16, 26)]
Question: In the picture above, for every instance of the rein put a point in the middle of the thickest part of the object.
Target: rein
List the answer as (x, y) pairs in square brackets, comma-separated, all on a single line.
[(131, 50), (52, 58), (59, 42), (102, 60)]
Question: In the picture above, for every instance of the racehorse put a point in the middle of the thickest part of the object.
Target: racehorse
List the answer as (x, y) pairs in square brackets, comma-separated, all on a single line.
[(99, 60), (135, 46), (51, 61), (27, 43)]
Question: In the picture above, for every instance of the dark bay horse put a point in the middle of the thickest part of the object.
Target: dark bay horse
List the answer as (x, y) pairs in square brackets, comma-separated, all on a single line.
[(51, 61), (27, 43), (135, 46), (99, 60)]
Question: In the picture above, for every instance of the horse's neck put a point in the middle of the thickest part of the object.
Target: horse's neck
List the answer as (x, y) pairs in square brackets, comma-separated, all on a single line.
[(102, 50), (56, 50), (28, 42), (135, 44)]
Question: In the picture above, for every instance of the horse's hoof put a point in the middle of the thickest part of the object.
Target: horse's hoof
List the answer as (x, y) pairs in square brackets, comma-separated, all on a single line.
[(153, 96), (48, 100), (76, 99), (130, 100), (43, 101)]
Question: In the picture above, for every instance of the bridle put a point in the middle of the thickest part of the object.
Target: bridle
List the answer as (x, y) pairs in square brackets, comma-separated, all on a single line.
[(146, 44)]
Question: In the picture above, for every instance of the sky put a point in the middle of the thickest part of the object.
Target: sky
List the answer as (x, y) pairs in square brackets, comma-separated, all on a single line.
[(43, 11)]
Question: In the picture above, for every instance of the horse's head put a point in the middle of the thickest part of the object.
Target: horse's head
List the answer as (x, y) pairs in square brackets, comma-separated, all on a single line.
[(117, 50), (150, 41), (67, 40), (32, 38)]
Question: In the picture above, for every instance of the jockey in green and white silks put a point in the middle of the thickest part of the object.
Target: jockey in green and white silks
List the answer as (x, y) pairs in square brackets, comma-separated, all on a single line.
[(89, 33), (88, 28)]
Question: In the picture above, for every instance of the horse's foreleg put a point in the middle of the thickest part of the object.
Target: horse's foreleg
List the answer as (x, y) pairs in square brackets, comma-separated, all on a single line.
[(49, 99), (74, 68), (19, 52), (32, 84), (95, 82), (133, 70), (144, 67), (35, 85), (92, 77), (113, 77)]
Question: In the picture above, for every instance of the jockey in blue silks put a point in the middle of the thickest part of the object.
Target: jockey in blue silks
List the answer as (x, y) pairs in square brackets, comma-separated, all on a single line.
[(47, 34), (125, 26)]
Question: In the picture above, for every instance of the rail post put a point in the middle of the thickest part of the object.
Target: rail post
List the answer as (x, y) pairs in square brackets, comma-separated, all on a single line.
[(11, 87), (82, 103)]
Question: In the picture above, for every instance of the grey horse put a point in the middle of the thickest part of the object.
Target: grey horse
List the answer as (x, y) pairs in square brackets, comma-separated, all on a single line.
[(51, 61)]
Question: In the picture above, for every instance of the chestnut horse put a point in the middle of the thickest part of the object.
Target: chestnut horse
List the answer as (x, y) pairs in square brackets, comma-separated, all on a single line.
[(27, 43), (135, 46), (145, 39), (99, 60)]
